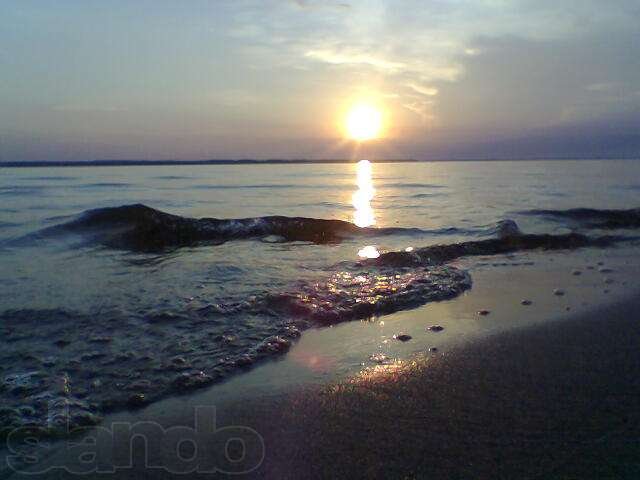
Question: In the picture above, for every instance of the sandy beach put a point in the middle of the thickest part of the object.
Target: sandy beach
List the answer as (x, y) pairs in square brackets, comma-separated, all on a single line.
[(550, 401), (557, 399)]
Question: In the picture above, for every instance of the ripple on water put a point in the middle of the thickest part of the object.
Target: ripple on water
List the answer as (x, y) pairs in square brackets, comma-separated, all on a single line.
[(73, 367)]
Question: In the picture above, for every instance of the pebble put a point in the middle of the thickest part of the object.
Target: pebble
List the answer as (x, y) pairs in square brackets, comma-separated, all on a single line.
[(605, 270), (436, 328), (137, 400), (608, 281), (558, 292), (526, 302), (403, 337), (576, 272), (433, 349), (484, 312)]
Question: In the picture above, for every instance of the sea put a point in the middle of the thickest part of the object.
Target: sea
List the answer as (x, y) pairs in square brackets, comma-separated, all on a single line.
[(122, 285)]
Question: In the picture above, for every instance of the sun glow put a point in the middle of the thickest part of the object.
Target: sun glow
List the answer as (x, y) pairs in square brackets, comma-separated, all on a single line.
[(364, 122)]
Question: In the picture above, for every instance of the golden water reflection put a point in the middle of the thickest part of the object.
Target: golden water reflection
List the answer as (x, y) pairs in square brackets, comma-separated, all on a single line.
[(363, 215)]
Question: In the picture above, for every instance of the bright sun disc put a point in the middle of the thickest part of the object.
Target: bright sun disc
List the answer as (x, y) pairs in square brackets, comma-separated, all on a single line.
[(364, 122)]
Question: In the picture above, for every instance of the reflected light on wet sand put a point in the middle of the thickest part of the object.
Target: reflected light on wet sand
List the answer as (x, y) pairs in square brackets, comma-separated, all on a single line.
[(363, 215)]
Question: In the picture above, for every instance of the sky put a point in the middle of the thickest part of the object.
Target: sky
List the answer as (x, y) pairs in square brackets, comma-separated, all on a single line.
[(204, 79)]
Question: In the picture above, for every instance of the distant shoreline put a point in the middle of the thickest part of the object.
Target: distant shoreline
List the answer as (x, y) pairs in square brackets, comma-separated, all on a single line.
[(138, 163)]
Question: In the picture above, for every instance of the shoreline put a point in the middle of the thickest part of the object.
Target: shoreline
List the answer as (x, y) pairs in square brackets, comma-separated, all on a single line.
[(521, 403), (525, 403)]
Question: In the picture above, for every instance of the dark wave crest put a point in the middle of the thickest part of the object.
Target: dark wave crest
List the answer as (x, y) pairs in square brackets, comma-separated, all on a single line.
[(509, 240), (141, 228), (593, 218)]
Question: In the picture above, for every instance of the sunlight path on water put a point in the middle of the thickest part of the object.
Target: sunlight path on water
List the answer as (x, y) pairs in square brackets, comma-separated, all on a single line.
[(364, 214)]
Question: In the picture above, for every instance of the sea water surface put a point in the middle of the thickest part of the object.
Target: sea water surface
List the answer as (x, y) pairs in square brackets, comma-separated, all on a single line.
[(122, 285)]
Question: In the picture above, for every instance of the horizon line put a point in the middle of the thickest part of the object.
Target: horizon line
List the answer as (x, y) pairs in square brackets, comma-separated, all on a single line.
[(275, 161)]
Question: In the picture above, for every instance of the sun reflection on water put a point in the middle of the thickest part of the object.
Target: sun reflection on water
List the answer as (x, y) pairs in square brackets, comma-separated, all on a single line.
[(363, 215), (370, 251)]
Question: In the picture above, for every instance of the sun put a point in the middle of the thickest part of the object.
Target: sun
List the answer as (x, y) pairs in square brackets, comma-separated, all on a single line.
[(364, 122)]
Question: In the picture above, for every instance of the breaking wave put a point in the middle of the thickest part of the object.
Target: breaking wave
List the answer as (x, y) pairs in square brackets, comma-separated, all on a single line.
[(436, 254), (141, 228), (85, 365), (71, 368)]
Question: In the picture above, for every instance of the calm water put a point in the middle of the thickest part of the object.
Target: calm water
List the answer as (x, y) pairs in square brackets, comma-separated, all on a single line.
[(102, 325)]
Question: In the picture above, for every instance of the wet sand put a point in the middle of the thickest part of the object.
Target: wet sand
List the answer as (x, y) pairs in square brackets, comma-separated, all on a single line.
[(551, 401), (560, 399)]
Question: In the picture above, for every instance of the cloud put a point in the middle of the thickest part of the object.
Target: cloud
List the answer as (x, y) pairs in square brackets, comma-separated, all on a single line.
[(310, 4), (77, 108), (423, 90), (355, 58)]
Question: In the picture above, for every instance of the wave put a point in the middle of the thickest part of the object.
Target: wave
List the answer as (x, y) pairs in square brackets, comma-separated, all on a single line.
[(142, 228), (428, 195), (270, 186), (189, 348), (593, 218), (195, 346), (53, 178), (172, 177), (89, 186), (411, 185), (22, 190), (633, 187), (509, 240), (8, 224), (351, 296)]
